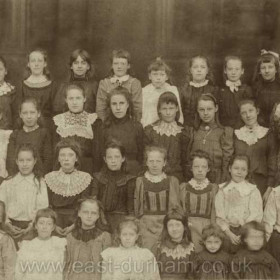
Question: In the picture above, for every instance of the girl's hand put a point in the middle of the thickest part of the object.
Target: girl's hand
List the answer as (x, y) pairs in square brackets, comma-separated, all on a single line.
[(235, 239), (59, 230), (68, 229), (16, 232)]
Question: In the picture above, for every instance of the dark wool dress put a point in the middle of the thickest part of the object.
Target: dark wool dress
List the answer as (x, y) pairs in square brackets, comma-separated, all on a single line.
[(228, 105)]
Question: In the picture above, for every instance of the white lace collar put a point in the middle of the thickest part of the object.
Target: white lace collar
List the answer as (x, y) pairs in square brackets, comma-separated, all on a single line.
[(70, 124), (233, 86), (244, 188), (155, 178), (251, 136), (6, 88), (199, 185), (178, 252), (68, 184), (168, 129), (198, 85), (119, 80)]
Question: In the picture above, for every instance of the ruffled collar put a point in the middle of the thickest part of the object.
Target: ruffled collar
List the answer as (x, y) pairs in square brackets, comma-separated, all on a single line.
[(177, 250), (168, 129), (244, 188), (68, 184), (251, 136), (155, 178), (198, 85), (119, 80), (70, 124), (86, 235), (233, 86), (199, 185), (6, 88)]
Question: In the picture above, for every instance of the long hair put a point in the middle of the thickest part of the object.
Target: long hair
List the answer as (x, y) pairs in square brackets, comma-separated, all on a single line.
[(118, 91)]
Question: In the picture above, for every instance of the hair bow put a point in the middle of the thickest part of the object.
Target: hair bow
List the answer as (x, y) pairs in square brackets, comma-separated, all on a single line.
[(263, 51)]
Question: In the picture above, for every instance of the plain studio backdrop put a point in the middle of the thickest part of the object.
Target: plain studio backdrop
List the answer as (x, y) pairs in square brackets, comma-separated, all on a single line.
[(173, 29)]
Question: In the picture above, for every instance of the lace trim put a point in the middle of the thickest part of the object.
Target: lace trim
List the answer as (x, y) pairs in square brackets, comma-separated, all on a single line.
[(251, 136), (199, 186), (198, 85), (155, 178), (179, 251), (70, 124), (6, 88), (168, 129), (68, 184)]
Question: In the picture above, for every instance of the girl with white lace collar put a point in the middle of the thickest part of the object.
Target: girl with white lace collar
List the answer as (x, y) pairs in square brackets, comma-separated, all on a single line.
[(258, 143), (237, 202), (232, 92), (199, 80), (155, 194), (168, 133), (120, 76), (7, 96), (197, 197), (159, 75), (67, 185), (81, 126), (175, 247)]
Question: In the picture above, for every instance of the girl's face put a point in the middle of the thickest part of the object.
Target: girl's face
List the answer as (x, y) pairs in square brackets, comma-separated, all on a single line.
[(200, 168), (37, 63), (168, 111), (3, 72), (114, 159), (80, 67), (199, 70), (25, 162), (89, 214), (234, 70), (213, 244), (155, 162), (249, 114), (67, 159), (45, 227), (254, 240), (239, 170), (207, 110), (175, 230), (119, 106), (29, 114), (268, 70), (75, 100), (128, 237), (120, 66), (158, 78)]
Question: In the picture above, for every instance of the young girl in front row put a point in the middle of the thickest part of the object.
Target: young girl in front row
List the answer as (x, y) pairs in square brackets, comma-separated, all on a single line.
[(253, 261), (168, 133), (198, 197), (159, 74), (24, 194), (199, 81), (232, 92), (45, 249), (113, 186), (67, 185), (128, 260), (31, 132), (86, 242), (120, 76), (155, 194), (213, 262), (175, 251), (237, 202)]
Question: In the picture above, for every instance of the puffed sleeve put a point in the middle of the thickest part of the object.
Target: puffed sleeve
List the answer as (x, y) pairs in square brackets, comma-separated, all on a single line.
[(11, 153), (213, 210), (47, 151), (176, 92), (174, 193), (8, 256), (186, 145), (139, 197), (270, 213), (227, 148), (271, 160), (255, 206), (136, 92), (97, 145), (145, 107), (101, 100), (220, 210)]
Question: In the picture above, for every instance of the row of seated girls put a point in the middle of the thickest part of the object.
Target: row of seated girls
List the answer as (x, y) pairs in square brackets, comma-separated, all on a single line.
[(162, 229)]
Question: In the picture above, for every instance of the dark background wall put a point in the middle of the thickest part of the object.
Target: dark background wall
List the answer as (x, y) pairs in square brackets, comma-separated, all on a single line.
[(173, 29)]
